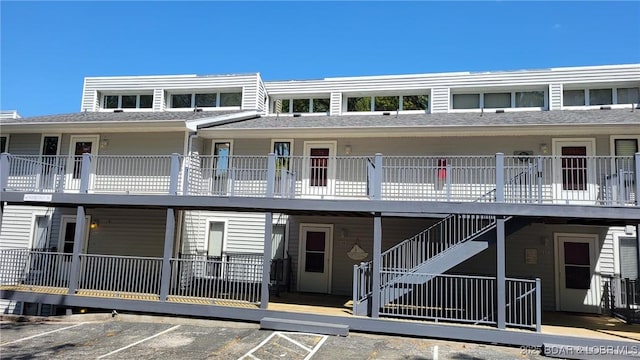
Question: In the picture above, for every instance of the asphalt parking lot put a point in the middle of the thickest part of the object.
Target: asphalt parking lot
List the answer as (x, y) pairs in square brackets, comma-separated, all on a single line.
[(136, 337)]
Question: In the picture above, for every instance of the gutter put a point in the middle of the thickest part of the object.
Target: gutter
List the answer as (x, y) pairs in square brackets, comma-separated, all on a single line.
[(195, 125)]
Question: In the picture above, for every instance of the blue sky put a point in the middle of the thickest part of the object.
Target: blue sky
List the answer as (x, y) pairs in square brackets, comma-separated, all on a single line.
[(47, 48)]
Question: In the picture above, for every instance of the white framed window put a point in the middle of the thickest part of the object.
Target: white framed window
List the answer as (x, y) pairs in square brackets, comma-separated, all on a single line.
[(50, 144), (205, 99), (283, 149), (320, 104), (216, 238), (628, 95), (600, 96), (4, 143), (127, 101), (387, 103), (518, 99)]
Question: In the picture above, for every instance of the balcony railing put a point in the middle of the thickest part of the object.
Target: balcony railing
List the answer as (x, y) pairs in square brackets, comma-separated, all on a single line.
[(581, 180)]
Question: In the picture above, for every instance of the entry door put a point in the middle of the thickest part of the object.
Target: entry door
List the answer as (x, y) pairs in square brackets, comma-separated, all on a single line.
[(78, 146), (65, 244), (319, 168), (577, 281), (574, 175), (315, 258)]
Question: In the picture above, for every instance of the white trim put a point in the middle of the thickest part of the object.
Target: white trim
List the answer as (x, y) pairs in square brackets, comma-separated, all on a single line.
[(95, 149), (594, 258), (8, 137), (275, 140), (35, 214), (572, 141), (329, 253), (587, 196), (332, 145), (221, 141), (64, 220), (613, 138), (195, 125), (58, 135), (225, 235)]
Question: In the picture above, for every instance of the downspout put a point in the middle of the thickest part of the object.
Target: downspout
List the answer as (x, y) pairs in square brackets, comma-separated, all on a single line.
[(182, 217)]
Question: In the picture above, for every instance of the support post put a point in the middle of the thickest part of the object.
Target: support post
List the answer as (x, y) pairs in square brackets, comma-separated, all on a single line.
[(539, 173), (377, 177), (637, 174), (169, 236), (175, 174), (266, 260), (448, 173), (377, 258), (4, 171), (85, 174), (271, 174), (539, 304), (78, 240), (499, 177), (1, 213), (501, 295)]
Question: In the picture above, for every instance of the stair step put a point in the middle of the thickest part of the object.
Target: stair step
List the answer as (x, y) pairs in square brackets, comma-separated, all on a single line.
[(304, 326)]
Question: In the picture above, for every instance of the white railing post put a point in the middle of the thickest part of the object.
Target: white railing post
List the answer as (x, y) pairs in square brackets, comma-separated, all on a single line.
[(165, 277), (539, 177), (539, 304), (637, 173), (74, 273), (85, 173), (377, 177), (175, 174), (448, 173), (4, 171), (271, 174), (500, 177), (376, 262), (266, 259)]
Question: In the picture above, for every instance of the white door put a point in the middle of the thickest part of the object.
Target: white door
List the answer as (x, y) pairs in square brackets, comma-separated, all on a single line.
[(315, 258), (65, 244), (574, 171), (78, 146), (577, 280), (319, 168)]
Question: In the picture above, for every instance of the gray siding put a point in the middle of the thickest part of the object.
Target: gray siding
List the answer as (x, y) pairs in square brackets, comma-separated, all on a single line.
[(127, 232), (245, 231), (353, 229), (439, 100), (25, 144), (163, 143), (17, 223)]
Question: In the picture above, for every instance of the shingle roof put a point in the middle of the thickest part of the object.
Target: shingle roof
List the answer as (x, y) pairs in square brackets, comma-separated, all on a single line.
[(556, 117), (124, 116)]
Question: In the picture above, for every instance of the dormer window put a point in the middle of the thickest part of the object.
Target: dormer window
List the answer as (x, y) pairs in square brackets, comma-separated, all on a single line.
[(205, 100), (600, 96), (498, 100), (387, 103), (306, 105), (127, 101)]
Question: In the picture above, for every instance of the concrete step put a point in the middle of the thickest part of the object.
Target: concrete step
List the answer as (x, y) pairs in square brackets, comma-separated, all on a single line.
[(304, 326)]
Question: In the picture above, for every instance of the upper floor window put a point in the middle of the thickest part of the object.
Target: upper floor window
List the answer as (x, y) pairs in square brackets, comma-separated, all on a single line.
[(205, 100), (138, 101), (600, 96), (4, 143), (499, 100), (307, 105), (388, 103)]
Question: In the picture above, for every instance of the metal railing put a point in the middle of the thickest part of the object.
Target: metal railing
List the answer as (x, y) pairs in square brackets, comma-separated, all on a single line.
[(235, 277), (580, 180), (120, 274), (34, 268), (464, 298)]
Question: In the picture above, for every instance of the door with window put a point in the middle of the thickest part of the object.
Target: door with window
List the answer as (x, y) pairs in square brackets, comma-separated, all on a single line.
[(621, 188), (52, 166), (315, 258), (215, 249), (577, 278), (221, 174), (80, 145), (65, 246), (319, 169), (574, 173)]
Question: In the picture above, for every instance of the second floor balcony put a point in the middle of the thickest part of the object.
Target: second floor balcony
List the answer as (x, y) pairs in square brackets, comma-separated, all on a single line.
[(572, 180)]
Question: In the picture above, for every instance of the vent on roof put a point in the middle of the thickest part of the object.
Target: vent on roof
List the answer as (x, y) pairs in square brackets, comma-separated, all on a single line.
[(118, 110), (386, 113), (500, 111), (605, 107), (197, 110), (296, 115)]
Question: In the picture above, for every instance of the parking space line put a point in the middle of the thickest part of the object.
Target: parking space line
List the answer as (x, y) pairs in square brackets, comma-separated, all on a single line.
[(280, 334), (295, 342), (44, 333), (317, 347), (139, 341)]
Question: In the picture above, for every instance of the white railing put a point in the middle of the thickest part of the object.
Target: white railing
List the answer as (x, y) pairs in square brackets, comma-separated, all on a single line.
[(120, 274), (34, 268), (586, 180)]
